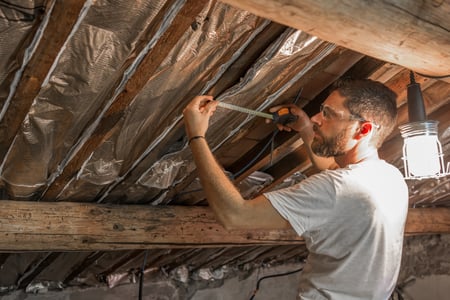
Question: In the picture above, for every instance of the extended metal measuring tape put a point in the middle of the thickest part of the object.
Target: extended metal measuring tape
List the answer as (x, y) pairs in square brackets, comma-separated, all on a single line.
[(282, 116)]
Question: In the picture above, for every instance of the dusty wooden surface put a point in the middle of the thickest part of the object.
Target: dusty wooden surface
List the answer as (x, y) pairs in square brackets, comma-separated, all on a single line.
[(394, 31), (34, 226), (76, 226)]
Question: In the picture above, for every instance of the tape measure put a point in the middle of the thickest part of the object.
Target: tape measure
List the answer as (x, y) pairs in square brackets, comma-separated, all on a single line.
[(282, 116)]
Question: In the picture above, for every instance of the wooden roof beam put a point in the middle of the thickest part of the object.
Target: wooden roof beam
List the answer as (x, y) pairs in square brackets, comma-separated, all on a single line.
[(70, 226), (413, 34)]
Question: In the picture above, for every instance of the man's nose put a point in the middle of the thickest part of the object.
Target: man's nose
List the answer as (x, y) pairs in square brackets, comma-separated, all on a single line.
[(317, 119)]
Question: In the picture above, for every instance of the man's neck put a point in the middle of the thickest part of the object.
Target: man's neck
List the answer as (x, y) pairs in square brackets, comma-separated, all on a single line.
[(355, 156)]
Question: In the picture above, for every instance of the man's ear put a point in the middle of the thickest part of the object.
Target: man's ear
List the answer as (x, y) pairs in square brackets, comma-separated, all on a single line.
[(365, 129)]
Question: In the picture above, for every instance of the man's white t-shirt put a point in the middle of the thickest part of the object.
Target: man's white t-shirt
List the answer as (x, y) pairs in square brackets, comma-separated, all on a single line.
[(352, 220)]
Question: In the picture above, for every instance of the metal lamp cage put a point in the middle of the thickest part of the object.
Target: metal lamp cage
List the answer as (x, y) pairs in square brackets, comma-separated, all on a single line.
[(435, 159)]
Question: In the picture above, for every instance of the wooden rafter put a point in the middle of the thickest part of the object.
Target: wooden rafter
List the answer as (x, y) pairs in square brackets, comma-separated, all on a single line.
[(413, 34), (68, 226)]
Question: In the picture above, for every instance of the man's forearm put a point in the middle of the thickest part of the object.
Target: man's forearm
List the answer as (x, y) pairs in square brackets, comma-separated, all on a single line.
[(230, 208), (223, 197)]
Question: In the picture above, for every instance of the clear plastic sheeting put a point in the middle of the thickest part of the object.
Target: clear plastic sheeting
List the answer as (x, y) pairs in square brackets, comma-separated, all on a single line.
[(163, 173), (103, 168), (291, 180), (87, 69), (282, 64), (209, 46), (181, 274), (254, 183), (43, 287), (211, 274), (131, 276)]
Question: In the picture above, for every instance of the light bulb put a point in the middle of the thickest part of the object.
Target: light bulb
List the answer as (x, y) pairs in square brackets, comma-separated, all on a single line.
[(423, 157)]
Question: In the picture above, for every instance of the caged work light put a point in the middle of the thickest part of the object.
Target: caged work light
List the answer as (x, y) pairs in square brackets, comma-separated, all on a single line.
[(422, 151)]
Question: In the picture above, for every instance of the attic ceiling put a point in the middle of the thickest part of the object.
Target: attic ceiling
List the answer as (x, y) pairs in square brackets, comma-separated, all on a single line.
[(92, 94)]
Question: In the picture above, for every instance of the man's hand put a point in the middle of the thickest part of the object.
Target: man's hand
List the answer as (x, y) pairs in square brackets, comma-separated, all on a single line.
[(302, 125), (197, 114)]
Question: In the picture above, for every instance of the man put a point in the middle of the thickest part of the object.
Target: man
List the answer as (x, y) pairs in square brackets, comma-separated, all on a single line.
[(351, 216)]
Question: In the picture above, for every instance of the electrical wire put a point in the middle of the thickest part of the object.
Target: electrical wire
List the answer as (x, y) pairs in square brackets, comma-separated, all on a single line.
[(141, 278), (396, 295), (272, 276), (270, 143), (257, 156)]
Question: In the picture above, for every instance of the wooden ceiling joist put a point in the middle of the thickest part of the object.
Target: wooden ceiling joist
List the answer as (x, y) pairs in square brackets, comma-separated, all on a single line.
[(68, 226), (413, 34)]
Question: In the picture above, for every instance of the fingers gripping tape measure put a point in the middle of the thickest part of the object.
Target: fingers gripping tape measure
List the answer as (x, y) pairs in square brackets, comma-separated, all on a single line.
[(283, 116)]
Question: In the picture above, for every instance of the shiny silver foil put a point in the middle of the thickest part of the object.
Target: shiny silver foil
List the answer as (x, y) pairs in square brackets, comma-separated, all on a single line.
[(283, 64), (213, 42), (88, 67)]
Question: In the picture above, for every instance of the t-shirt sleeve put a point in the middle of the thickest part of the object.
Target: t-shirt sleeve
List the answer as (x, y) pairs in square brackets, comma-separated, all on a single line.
[(306, 205)]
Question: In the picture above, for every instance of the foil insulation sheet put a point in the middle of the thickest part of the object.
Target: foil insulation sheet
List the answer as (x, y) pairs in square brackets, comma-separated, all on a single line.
[(17, 24), (283, 63), (77, 87), (212, 43), (145, 153)]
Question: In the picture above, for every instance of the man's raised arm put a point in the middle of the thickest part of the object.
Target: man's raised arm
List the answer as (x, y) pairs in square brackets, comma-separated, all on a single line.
[(230, 208)]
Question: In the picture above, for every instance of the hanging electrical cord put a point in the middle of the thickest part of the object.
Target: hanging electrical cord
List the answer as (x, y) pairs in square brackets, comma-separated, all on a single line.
[(272, 276), (396, 295), (141, 273), (258, 155), (270, 143)]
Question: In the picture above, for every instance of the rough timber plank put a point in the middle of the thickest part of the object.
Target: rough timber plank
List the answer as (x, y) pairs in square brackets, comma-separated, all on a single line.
[(68, 226), (430, 220), (27, 226), (413, 34)]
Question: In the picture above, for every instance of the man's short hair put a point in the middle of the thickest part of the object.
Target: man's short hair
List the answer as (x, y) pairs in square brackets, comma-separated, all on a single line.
[(373, 101)]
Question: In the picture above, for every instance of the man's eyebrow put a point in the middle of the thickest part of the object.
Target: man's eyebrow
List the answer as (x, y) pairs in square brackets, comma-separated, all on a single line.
[(331, 109)]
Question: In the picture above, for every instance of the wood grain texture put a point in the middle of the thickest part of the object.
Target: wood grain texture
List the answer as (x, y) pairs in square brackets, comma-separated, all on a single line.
[(413, 34), (68, 226), (26, 226)]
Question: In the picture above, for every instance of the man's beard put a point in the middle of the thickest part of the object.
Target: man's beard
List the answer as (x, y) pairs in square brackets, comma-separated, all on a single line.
[(329, 146)]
